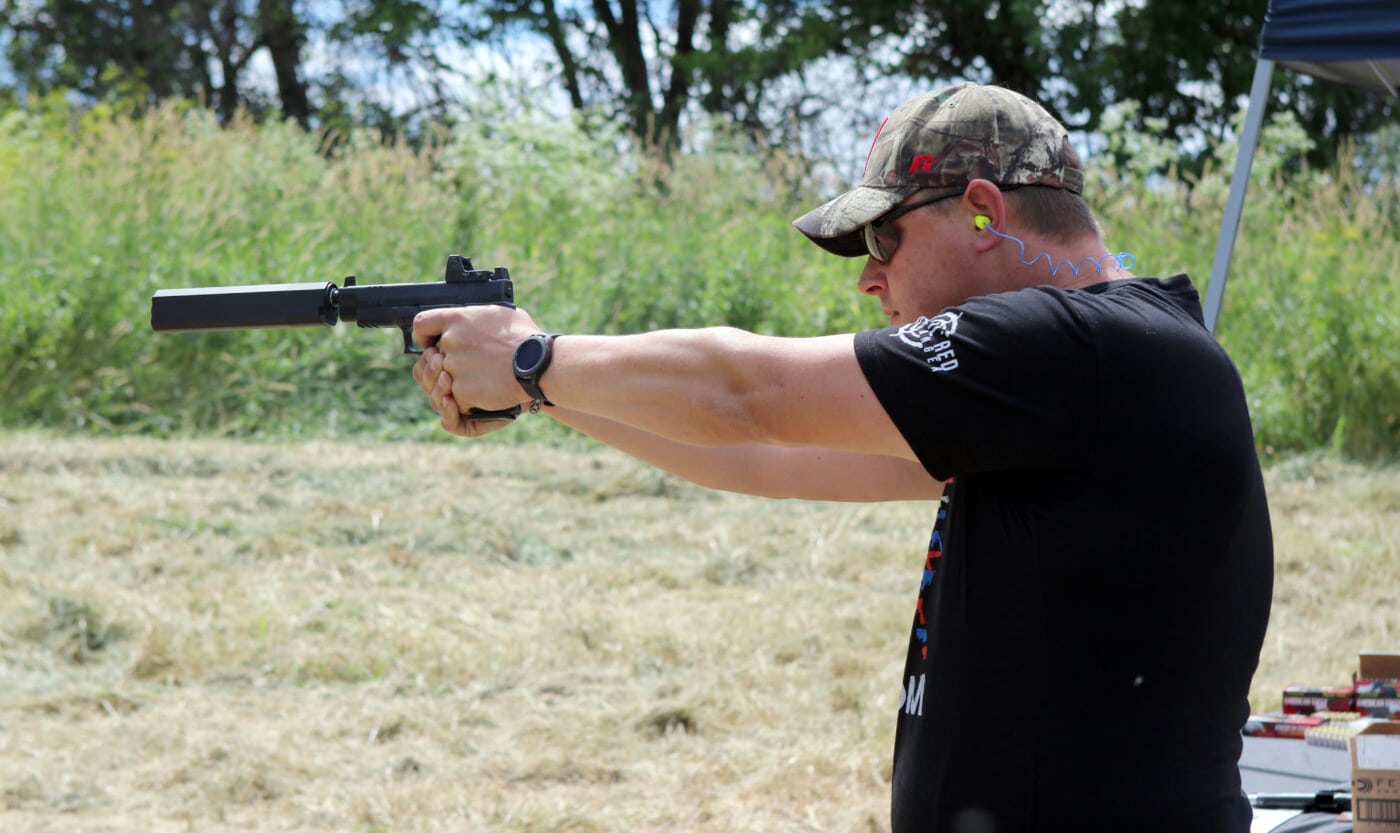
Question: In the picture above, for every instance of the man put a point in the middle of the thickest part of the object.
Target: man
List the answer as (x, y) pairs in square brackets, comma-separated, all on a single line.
[(1097, 584)]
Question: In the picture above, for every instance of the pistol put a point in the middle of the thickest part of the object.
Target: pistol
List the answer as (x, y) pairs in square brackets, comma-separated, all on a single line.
[(324, 304)]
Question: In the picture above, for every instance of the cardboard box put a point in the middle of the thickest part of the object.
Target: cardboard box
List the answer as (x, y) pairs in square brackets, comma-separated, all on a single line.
[(1375, 778), (1377, 684), (1305, 699), (1280, 726)]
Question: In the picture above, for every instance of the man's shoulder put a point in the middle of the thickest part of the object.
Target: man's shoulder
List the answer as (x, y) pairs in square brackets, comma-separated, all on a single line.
[(1148, 306), (1177, 291), (1175, 295), (1052, 312)]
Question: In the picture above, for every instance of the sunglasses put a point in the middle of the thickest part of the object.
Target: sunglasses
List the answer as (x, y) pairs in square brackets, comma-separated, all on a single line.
[(882, 238)]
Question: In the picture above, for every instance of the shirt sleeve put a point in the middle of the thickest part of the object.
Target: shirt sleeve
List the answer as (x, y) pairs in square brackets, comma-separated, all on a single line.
[(1000, 382)]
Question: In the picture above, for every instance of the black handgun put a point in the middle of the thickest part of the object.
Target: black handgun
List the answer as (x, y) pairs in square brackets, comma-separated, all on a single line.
[(313, 304)]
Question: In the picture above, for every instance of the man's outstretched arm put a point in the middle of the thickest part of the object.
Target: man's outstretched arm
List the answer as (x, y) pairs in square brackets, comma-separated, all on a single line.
[(767, 470), (708, 387)]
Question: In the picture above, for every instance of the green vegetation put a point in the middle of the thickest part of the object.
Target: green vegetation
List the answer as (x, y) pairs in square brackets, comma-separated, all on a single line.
[(98, 210)]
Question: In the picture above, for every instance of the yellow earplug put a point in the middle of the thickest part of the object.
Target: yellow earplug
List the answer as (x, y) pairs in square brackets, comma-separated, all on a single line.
[(981, 221)]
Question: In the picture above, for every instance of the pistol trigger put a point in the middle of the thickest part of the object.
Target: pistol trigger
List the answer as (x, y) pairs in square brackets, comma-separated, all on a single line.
[(408, 346)]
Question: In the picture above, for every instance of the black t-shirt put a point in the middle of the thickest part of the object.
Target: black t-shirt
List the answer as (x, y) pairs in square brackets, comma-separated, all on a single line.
[(1099, 577)]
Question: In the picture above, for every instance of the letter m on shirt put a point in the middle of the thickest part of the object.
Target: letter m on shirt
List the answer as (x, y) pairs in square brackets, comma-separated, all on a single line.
[(912, 697)]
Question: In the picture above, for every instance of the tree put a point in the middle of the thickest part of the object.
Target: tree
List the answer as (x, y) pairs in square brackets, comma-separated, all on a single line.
[(87, 46), (612, 55), (283, 33), (1188, 63), (402, 54), (147, 51), (716, 56), (1191, 63), (152, 50), (775, 68)]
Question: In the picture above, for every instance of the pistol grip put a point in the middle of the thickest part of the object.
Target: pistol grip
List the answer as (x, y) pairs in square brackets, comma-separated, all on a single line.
[(507, 415)]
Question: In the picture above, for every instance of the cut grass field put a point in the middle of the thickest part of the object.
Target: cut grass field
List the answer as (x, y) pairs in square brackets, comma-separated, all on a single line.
[(371, 636)]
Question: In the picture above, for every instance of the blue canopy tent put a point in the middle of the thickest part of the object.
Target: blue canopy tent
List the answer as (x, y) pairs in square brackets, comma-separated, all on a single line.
[(1354, 42)]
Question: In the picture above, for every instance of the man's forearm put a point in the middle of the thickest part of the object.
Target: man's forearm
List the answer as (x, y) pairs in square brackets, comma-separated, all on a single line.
[(692, 386), (723, 386), (767, 471), (729, 468)]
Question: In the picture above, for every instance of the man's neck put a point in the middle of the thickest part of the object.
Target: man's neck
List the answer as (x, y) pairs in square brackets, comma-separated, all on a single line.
[(1084, 262)]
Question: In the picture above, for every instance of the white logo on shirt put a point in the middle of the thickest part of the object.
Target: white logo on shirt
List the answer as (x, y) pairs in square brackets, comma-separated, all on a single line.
[(933, 338)]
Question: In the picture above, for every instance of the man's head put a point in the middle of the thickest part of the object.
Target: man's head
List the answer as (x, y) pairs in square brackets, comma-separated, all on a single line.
[(936, 144)]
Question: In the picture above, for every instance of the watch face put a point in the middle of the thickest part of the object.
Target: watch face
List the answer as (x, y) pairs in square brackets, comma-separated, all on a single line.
[(528, 355)]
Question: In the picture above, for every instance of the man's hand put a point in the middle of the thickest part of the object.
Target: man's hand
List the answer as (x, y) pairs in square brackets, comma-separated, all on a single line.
[(437, 384), (467, 363)]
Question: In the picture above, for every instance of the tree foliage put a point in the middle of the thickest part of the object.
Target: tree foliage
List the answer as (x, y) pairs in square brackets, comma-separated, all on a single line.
[(649, 65), (142, 52), (1190, 62), (772, 67), (146, 52), (1187, 63)]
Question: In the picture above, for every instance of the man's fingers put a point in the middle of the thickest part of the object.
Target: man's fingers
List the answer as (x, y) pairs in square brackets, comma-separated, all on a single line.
[(452, 419), (440, 393), (420, 371), (429, 324), (426, 369)]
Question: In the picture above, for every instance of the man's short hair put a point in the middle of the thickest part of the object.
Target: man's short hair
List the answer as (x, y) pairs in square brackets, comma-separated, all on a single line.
[(1056, 213), (1060, 215)]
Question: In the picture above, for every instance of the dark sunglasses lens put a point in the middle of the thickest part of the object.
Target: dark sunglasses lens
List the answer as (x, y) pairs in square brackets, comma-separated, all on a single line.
[(881, 240), (872, 245)]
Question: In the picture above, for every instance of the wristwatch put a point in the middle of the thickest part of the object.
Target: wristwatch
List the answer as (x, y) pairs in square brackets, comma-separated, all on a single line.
[(532, 359)]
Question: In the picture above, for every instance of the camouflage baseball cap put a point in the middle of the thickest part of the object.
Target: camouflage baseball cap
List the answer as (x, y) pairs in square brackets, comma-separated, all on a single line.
[(944, 140)]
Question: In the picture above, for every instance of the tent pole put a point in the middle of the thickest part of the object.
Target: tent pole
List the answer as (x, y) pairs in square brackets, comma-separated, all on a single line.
[(1234, 206)]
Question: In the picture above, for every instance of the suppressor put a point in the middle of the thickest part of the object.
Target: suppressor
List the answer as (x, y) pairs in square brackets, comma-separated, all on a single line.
[(244, 307)]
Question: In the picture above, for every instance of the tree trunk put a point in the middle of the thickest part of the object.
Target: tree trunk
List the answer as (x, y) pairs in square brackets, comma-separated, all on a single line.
[(678, 91), (719, 77), (625, 40), (283, 35), (226, 37), (559, 37)]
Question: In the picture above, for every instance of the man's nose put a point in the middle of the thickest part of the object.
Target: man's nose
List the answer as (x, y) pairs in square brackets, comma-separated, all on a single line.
[(872, 277)]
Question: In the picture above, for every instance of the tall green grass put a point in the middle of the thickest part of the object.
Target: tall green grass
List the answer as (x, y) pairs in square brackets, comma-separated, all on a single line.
[(98, 210), (1312, 309)]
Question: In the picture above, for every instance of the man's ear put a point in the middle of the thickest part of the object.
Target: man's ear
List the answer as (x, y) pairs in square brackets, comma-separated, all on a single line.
[(985, 206)]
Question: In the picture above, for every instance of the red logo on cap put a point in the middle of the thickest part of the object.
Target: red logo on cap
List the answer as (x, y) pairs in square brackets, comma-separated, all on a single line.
[(922, 164)]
